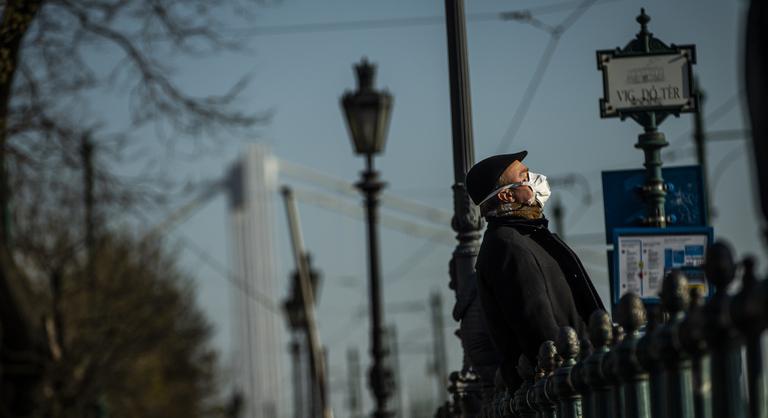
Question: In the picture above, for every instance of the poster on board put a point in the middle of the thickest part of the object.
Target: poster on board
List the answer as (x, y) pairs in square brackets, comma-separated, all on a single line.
[(643, 256)]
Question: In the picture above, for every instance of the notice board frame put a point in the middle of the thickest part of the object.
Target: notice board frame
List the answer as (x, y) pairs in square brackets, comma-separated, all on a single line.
[(615, 279)]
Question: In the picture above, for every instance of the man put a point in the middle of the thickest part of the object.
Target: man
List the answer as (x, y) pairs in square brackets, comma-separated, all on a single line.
[(529, 282)]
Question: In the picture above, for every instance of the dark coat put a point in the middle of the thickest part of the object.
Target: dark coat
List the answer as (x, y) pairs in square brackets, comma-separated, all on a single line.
[(530, 284)]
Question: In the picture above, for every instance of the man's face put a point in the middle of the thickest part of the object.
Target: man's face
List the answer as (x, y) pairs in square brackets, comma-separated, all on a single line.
[(516, 172)]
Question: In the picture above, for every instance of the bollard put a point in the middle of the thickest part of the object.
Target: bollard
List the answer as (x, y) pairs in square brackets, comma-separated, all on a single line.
[(503, 410), (487, 406), (692, 340), (578, 377), (611, 373), (600, 333), (469, 389), (522, 407), (453, 382), (634, 380), (747, 310), (499, 398), (547, 362), (677, 364), (647, 355), (569, 399), (723, 340)]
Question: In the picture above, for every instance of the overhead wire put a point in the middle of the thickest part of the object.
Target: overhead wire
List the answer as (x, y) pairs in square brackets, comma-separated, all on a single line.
[(403, 22), (712, 117), (528, 95), (359, 312), (225, 272), (416, 257), (215, 265), (345, 187), (722, 165), (533, 85), (392, 222)]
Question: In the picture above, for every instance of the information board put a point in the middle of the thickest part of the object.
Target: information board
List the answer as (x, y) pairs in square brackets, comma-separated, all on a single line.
[(643, 256)]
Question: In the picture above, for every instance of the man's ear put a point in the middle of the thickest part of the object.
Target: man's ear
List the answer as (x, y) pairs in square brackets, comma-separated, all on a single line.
[(506, 196)]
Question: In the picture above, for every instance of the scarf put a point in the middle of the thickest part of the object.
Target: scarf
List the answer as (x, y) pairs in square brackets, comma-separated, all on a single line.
[(515, 210)]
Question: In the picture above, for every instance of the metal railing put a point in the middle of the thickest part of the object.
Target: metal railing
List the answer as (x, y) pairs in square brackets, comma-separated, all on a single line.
[(681, 358)]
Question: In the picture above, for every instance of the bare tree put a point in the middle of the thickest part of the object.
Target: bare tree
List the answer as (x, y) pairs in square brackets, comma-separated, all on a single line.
[(53, 74), (55, 57)]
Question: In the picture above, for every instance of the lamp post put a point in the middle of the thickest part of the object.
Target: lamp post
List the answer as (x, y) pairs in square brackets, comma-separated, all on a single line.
[(367, 113)]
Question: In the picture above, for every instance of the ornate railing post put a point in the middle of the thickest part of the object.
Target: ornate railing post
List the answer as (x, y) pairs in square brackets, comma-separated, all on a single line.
[(492, 408), (634, 379), (456, 390), (724, 341), (578, 374), (468, 389), (502, 406), (523, 408), (569, 399), (647, 355), (600, 333), (692, 340), (677, 364), (547, 362), (748, 313), (611, 373)]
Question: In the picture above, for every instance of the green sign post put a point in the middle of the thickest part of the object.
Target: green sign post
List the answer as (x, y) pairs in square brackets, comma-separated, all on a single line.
[(647, 81)]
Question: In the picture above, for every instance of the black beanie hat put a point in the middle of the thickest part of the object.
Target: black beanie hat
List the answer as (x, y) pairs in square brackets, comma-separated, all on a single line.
[(482, 177)]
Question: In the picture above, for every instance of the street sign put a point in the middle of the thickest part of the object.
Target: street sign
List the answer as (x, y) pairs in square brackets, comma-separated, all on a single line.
[(660, 81), (623, 200), (643, 256)]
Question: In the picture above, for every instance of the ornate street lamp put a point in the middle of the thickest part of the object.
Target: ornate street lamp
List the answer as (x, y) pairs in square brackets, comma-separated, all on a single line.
[(367, 112)]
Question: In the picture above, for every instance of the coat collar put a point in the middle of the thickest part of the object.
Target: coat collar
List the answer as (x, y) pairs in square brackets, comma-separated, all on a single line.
[(530, 225)]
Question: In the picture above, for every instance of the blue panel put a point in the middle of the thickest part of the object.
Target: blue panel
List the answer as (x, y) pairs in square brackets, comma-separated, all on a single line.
[(697, 250), (624, 207), (678, 258)]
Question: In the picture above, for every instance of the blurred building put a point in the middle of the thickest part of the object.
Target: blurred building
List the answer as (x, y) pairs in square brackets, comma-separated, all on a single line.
[(252, 183)]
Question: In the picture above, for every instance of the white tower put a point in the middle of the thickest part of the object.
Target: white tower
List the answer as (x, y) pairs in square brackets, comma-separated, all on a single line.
[(252, 186)]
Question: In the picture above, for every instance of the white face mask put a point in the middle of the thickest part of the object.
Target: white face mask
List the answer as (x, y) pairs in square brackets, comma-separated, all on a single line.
[(537, 182), (540, 185)]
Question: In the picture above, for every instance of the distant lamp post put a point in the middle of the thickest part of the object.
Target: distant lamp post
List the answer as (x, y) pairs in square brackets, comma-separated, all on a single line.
[(367, 112)]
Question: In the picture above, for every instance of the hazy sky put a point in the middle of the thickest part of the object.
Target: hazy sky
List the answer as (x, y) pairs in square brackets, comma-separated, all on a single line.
[(301, 75)]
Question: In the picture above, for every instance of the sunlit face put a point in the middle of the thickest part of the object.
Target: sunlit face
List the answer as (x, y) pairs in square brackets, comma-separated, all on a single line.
[(516, 172)]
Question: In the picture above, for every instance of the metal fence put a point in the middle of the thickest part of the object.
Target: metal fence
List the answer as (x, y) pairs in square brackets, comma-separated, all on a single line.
[(681, 358)]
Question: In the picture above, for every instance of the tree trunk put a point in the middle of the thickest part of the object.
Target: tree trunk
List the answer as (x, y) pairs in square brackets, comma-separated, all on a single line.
[(22, 341)]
